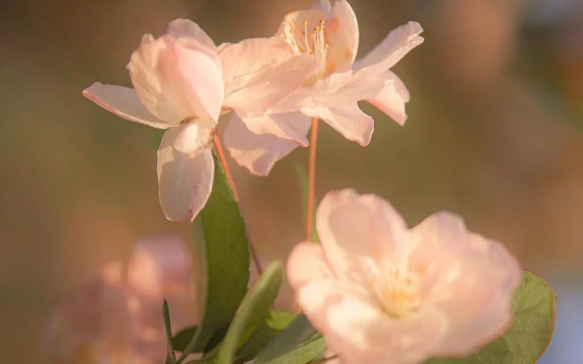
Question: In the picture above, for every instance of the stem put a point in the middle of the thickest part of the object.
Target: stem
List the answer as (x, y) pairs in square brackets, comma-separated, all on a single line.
[(311, 179), (223, 160)]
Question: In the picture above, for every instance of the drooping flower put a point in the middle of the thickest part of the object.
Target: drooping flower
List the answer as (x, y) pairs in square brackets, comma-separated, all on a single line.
[(117, 317), (183, 82), (381, 293), (329, 34)]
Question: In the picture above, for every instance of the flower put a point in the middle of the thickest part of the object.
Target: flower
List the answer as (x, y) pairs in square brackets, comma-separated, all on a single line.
[(331, 93), (183, 82), (380, 293), (117, 317)]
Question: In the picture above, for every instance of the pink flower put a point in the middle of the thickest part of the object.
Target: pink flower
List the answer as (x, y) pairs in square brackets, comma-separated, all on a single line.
[(380, 293), (182, 82), (117, 317), (331, 93)]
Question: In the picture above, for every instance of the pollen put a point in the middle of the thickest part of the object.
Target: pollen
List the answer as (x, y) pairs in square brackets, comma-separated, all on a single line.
[(398, 291)]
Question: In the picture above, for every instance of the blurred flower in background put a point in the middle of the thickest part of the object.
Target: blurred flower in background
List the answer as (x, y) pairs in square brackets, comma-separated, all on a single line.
[(117, 317)]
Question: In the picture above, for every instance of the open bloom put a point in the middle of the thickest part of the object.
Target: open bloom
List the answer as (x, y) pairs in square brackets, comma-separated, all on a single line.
[(330, 35), (117, 317), (380, 293), (182, 82)]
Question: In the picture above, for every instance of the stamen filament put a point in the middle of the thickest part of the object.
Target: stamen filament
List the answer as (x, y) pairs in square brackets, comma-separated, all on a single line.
[(311, 179)]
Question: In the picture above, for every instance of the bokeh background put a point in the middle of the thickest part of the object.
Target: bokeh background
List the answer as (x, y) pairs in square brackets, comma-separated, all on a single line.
[(495, 133)]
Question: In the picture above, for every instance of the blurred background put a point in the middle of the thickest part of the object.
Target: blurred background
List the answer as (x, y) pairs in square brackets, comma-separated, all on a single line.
[(495, 133)]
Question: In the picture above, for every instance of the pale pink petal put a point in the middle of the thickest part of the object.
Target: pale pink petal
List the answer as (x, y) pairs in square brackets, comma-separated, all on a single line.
[(307, 262), (481, 272), (184, 180), (290, 126), (355, 228), (260, 72), (177, 79), (342, 37), (355, 327), (161, 268), (187, 28), (193, 136), (325, 6), (348, 120), (392, 98), (257, 153), (159, 263), (123, 102), (394, 47), (340, 88)]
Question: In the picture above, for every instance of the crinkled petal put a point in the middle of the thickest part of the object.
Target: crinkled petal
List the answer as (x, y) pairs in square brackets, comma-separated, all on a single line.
[(184, 179), (187, 28), (355, 228), (177, 79), (123, 102), (481, 271), (348, 120), (257, 153), (260, 72), (193, 136), (394, 47), (392, 98)]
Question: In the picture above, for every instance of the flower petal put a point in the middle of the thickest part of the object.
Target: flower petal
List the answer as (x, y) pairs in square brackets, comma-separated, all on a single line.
[(289, 126), (307, 262), (193, 136), (339, 88), (260, 72), (355, 327), (161, 268), (394, 47), (184, 180), (257, 153), (123, 102), (482, 273), (187, 28), (342, 37), (176, 80), (348, 120), (354, 228), (392, 98)]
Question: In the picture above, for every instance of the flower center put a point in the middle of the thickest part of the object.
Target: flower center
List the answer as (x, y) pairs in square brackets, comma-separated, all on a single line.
[(399, 291), (313, 44)]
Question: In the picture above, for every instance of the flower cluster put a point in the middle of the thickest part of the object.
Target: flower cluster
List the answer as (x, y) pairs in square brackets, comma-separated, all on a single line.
[(376, 290), (116, 318)]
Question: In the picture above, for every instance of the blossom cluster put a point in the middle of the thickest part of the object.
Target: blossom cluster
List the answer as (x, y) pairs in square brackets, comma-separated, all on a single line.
[(376, 290)]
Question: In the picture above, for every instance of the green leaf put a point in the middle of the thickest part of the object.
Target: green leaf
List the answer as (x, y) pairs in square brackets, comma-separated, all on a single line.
[(530, 333), (170, 357), (266, 331), (224, 250), (308, 351), (303, 178), (298, 332), (183, 337), (252, 312), (155, 136)]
